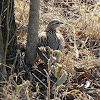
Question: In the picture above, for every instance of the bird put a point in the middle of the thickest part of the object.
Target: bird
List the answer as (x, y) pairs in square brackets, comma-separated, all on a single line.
[(50, 38)]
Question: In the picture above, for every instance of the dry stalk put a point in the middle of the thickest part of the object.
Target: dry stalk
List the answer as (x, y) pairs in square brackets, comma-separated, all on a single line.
[(48, 81), (7, 37)]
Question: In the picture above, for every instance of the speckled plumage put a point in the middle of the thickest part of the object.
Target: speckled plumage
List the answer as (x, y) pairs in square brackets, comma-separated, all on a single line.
[(52, 38)]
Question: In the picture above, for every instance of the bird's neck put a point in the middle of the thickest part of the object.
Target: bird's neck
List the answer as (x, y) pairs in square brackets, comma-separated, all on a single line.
[(50, 30)]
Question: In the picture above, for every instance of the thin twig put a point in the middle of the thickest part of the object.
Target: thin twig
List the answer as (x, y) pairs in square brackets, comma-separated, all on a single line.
[(7, 37), (48, 81), (39, 79)]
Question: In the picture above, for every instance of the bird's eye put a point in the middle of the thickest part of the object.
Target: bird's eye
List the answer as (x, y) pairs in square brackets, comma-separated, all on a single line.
[(57, 22)]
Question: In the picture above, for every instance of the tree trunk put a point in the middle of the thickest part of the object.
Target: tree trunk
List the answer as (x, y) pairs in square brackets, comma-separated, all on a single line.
[(8, 31), (32, 38)]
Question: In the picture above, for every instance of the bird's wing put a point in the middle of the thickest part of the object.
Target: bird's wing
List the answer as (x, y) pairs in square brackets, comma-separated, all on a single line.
[(42, 51), (61, 41), (42, 39)]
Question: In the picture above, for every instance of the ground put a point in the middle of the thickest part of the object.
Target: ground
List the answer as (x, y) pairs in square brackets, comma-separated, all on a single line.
[(77, 74)]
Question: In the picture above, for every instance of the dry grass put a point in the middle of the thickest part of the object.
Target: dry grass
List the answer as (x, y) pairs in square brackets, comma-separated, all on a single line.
[(81, 28)]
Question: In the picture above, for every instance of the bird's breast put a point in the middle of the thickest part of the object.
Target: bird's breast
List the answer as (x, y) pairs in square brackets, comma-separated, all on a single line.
[(52, 41)]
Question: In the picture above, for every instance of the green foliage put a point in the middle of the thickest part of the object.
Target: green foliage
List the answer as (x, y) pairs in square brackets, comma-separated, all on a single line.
[(62, 79)]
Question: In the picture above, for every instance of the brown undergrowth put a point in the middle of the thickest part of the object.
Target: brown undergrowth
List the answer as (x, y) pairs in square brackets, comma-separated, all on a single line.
[(77, 74)]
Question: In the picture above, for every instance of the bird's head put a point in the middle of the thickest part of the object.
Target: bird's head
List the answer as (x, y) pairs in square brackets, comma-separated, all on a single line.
[(54, 24)]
